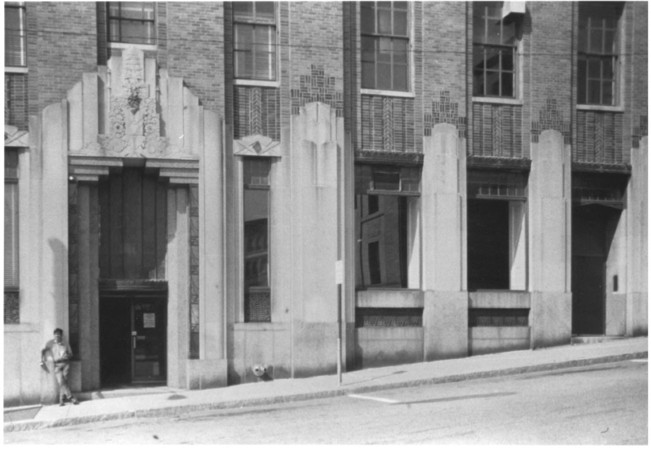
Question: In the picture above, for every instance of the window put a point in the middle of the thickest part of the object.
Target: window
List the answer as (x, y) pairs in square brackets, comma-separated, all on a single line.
[(132, 22), (386, 202), (497, 242), (494, 51), (257, 294), (254, 25), (385, 45), (15, 53), (12, 306), (598, 52)]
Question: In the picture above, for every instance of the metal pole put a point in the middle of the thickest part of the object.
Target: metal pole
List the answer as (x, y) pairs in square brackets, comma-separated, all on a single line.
[(339, 347)]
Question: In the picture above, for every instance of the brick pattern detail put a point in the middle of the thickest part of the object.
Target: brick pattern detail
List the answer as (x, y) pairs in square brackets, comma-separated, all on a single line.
[(497, 131), (599, 137), (387, 124), (12, 307), (194, 272), (317, 87), (640, 131), (16, 100), (445, 111), (257, 307), (551, 117), (257, 111), (73, 268), (191, 46)]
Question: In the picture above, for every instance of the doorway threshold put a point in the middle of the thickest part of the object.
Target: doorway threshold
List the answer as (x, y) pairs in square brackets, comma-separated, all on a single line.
[(121, 391)]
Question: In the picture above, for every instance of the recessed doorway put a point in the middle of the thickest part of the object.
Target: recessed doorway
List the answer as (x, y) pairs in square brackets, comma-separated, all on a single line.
[(133, 346)]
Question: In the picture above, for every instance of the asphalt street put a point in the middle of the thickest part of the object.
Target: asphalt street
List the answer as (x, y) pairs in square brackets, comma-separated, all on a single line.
[(598, 404)]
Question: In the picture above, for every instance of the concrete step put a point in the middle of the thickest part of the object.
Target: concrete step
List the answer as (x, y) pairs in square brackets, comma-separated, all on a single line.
[(590, 339)]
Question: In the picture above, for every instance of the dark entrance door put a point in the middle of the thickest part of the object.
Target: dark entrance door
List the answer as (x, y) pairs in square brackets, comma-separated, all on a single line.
[(132, 339), (592, 231)]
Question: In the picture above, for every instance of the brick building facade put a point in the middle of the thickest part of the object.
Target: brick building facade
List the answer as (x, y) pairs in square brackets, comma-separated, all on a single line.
[(192, 189)]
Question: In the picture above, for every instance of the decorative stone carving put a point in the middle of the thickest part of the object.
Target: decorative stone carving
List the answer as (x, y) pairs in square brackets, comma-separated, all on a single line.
[(256, 145)]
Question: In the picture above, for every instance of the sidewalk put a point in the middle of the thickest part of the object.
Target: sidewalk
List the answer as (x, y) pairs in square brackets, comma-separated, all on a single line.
[(166, 401)]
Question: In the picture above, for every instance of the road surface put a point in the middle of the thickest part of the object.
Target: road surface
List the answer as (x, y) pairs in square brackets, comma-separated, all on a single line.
[(598, 404)]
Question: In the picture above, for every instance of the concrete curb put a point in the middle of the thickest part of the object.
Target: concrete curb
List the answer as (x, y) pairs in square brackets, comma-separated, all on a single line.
[(174, 410)]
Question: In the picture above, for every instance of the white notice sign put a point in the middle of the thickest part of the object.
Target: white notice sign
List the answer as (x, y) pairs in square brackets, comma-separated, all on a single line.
[(149, 320)]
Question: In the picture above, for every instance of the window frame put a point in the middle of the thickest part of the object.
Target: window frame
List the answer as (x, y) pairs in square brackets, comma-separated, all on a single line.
[(11, 179), (263, 185), (272, 55), (597, 11), (376, 36), (153, 39), (22, 38), (514, 49)]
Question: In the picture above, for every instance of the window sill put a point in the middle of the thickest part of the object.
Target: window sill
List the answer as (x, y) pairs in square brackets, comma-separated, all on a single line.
[(16, 70), (493, 100), (591, 107), (387, 93), (123, 45), (256, 83)]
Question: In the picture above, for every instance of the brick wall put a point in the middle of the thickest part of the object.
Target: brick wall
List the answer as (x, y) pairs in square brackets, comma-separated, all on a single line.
[(638, 106), (61, 46), (195, 49), (444, 63), (16, 100), (316, 63)]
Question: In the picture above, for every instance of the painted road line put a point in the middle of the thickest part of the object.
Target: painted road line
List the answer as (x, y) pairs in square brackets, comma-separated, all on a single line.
[(371, 398), (640, 360)]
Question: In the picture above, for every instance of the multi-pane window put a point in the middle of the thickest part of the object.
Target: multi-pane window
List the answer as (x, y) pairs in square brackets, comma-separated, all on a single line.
[(385, 45), (257, 293), (132, 22), (254, 28), (598, 52), (15, 53), (494, 51)]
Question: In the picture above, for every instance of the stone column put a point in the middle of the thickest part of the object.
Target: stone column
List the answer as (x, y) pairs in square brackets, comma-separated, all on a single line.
[(637, 209), (210, 370), (51, 172), (445, 315), (550, 203)]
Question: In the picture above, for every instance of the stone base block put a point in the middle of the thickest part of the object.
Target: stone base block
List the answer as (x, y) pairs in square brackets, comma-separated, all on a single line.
[(383, 346), (640, 311), (315, 349), (550, 319), (486, 340), (616, 314), (201, 374), (445, 323)]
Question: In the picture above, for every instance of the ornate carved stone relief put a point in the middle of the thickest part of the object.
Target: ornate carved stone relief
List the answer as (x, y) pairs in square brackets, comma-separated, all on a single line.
[(256, 145)]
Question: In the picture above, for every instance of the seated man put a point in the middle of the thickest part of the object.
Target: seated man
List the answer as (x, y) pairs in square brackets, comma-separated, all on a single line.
[(61, 354)]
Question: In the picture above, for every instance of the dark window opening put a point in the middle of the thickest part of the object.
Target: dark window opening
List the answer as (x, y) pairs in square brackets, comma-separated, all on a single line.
[(488, 244), (598, 52), (382, 243), (498, 317), (257, 292), (15, 51), (385, 45), (388, 317), (494, 51), (254, 28), (132, 22)]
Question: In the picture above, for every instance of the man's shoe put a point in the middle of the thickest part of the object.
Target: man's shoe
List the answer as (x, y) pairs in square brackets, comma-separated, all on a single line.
[(74, 401), (61, 403)]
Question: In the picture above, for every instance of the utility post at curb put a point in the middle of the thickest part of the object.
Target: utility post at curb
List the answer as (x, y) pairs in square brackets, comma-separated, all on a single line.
[(339, 275)]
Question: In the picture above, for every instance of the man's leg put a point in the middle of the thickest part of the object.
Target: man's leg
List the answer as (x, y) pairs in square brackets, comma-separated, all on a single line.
[(61, 382), (64, 383)]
